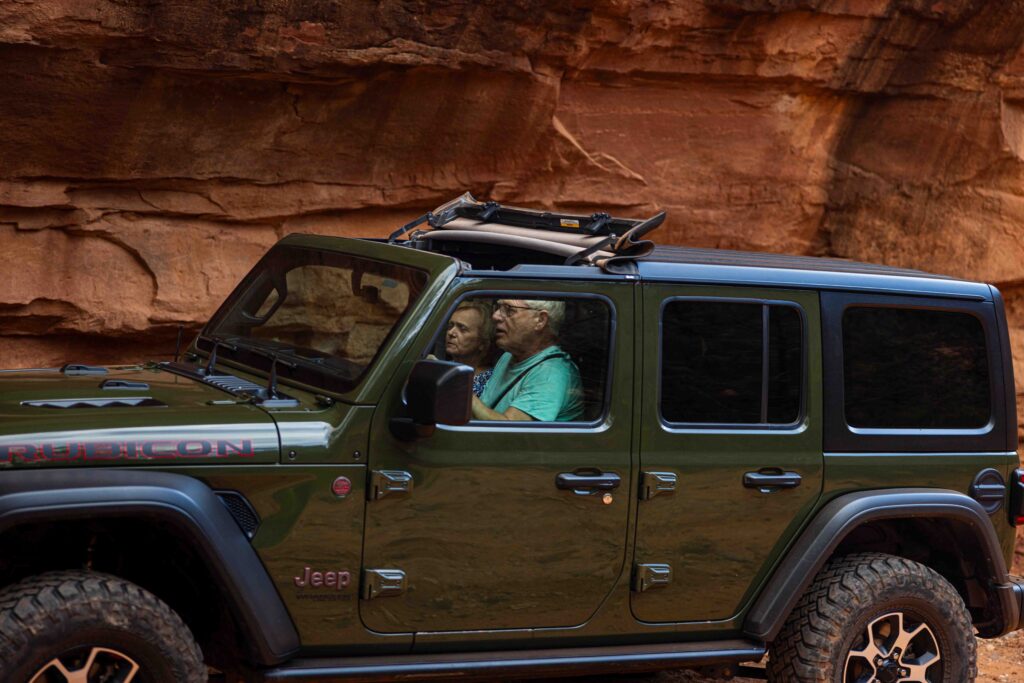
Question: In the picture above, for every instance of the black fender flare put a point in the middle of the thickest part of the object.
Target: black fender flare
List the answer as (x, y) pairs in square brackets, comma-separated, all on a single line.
[(186, 505), (839, 517)]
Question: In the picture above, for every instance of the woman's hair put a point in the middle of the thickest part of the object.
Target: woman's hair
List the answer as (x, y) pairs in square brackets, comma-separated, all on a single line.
[(485, 309)]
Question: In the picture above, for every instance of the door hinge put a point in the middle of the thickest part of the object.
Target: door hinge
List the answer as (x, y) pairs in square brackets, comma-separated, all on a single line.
[(382, 583), (383, 482), (653, 483), (647, 576)]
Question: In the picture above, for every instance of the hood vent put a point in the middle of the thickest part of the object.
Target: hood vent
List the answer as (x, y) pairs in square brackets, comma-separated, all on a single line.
[(123, 402), (232, 384)]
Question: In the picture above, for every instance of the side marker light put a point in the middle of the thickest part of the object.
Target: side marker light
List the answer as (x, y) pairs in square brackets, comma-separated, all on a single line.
[(341, 487)]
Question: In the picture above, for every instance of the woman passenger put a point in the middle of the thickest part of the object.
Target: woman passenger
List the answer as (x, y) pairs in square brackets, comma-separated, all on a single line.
[(469, 340)]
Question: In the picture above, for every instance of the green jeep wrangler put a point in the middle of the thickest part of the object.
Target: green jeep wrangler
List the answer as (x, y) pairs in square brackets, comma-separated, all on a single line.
[(509, 443)]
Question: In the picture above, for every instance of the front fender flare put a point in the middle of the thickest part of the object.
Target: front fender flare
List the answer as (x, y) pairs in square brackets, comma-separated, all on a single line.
[(184, 504), (839, 517)]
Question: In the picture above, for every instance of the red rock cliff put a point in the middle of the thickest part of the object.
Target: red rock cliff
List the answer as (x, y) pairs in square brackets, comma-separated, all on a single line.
[(150, 151)]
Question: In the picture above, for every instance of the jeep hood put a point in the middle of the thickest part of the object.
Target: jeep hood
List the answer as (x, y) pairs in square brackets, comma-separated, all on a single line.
[(126, 415)]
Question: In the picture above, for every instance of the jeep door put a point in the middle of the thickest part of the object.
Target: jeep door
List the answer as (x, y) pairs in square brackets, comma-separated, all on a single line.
[(487, 538), (731, 458)]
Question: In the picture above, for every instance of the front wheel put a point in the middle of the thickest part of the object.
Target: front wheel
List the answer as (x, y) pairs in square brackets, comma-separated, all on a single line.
[(85, 627), (875, 618)]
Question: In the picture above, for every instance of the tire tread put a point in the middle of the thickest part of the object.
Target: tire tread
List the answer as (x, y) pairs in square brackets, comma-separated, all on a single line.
[(40, 604), (804, 649)]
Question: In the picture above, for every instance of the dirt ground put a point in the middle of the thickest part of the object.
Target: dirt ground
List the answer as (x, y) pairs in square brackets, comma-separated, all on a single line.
[(1002, 660)]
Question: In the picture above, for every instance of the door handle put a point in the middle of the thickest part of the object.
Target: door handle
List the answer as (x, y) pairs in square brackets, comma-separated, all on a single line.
[(766, 482), (588, 483)]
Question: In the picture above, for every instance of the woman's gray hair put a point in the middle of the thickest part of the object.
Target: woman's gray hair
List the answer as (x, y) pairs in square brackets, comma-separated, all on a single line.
[(554, 309)]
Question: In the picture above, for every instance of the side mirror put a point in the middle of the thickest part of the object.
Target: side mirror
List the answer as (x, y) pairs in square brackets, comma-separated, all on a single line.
[(437, 392)]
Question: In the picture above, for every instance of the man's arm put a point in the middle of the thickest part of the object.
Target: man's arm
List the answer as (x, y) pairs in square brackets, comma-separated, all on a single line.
[(482, 412)]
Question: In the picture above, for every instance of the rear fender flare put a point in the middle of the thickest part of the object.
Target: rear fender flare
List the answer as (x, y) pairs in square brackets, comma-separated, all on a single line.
[(836, 520)]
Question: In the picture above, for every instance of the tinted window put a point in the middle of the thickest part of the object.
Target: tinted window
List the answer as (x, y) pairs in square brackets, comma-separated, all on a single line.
[(713, 363), (915, 368)]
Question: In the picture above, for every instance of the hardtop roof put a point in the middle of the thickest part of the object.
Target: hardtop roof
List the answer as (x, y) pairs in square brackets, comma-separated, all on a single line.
[(720, 266), (753, 259), (712, 267)]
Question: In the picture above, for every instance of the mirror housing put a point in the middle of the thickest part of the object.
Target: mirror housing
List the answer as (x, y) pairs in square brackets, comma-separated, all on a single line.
[(437, 392)]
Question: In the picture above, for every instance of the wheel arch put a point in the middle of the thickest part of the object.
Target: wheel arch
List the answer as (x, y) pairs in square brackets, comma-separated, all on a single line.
[(833, 532), (181, 508)]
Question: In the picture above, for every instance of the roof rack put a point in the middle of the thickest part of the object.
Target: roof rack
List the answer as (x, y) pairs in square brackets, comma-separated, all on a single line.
[(598, 239)]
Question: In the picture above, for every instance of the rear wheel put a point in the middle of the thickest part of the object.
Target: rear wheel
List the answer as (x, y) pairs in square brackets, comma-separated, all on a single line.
[(874, 618), (84, 627)]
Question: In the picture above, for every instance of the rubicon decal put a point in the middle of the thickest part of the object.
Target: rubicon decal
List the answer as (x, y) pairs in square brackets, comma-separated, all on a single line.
[(126, 450)]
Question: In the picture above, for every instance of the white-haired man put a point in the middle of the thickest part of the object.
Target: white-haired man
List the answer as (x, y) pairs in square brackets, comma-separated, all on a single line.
[(534, 379)]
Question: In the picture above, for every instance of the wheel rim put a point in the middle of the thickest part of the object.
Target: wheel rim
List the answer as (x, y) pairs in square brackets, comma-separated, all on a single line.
[(88, 665), (895, 648)]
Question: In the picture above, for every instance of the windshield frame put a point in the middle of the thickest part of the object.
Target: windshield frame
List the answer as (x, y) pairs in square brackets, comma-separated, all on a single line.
[(258, 356)]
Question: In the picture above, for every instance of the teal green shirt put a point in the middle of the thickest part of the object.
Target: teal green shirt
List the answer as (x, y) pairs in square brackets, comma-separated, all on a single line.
[(546, 386)]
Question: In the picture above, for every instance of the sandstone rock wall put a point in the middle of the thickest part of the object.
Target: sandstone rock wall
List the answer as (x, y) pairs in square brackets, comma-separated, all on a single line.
[(150, 151)]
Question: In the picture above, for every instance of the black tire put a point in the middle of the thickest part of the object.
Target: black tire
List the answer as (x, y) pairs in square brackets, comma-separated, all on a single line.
[(825, 638), (70, 616)]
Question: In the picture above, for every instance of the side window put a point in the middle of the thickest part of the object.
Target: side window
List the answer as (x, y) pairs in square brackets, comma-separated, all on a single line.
[(538, 359), (914, 368), (734, 363)]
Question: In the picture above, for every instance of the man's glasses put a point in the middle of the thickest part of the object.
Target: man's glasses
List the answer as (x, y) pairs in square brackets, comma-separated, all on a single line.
[(507, 310)]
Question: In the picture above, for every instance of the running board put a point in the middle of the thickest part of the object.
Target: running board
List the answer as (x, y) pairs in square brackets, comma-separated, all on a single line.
[(520, 663)]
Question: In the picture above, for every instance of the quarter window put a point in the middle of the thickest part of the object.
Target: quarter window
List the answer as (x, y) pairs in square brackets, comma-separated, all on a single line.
[(735, 363), (914, 368)]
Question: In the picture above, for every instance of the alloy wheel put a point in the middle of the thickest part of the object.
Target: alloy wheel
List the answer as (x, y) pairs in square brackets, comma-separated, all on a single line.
[(895, 648), (88, 665)]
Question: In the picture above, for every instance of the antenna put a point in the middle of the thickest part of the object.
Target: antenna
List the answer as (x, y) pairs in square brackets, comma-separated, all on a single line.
[(177, 345)]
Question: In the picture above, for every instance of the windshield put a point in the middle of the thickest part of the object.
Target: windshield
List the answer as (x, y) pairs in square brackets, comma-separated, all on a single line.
[(325, 316)]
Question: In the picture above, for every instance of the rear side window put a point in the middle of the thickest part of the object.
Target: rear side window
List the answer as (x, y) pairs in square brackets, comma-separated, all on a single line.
[(914, 368), (734, 363)]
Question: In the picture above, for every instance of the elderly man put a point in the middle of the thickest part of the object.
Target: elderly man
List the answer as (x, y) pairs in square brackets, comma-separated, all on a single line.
[(534, 379)]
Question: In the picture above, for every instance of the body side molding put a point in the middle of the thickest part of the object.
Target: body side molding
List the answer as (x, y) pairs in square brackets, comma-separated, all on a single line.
[(844, 514), (189, 507)]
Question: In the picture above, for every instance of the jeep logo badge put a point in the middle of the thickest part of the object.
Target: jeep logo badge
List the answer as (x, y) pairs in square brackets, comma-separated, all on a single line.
[(333, 579)]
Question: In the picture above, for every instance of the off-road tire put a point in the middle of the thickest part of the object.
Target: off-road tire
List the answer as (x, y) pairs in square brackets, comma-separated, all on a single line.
[(853, 591), (61, 613)]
